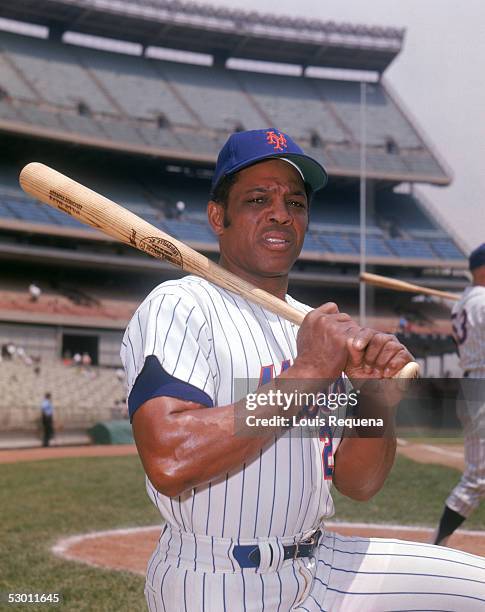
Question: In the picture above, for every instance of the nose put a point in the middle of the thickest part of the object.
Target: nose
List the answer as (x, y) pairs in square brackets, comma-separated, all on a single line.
[(279, 212)]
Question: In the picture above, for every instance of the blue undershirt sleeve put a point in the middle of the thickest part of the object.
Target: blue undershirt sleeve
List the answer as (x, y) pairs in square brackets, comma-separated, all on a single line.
[(154, 381)]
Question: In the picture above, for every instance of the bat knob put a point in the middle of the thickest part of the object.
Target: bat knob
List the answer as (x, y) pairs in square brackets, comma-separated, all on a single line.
[(410, 370)]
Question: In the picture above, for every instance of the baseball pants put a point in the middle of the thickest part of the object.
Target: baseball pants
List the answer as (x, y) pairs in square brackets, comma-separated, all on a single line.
[(468, 493), (192, 573)]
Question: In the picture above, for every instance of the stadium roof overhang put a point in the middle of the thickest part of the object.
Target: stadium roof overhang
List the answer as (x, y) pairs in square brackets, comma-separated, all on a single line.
[(222, 33)]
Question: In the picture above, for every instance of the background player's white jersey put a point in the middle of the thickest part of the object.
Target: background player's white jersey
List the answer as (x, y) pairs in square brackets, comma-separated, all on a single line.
[(209, 337), (468, 319)]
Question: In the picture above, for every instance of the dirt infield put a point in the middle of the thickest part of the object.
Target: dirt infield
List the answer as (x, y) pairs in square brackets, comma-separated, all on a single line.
[(59, 452), (130, 549), (450, 455)]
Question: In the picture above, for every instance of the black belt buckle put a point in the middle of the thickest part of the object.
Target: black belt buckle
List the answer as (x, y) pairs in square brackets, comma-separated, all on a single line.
[(250, 556)]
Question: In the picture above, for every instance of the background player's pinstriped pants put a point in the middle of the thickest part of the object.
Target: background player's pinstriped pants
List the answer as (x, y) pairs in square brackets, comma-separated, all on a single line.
[(469, 492), (192, 574)]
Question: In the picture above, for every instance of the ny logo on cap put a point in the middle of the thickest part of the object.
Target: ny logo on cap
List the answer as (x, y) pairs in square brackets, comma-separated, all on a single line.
[(277, 140)]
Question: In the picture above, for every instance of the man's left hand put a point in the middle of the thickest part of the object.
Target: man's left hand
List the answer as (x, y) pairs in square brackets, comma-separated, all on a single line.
[(373, 356)]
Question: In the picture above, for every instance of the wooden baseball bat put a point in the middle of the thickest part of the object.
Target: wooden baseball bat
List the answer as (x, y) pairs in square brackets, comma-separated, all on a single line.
[(397, 285), (61, 192)]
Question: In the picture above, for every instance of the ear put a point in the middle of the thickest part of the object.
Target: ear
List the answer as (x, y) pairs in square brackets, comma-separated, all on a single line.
[(215, 214)]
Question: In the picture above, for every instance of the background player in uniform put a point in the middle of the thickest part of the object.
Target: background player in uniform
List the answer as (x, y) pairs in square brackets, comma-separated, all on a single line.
[(468, 318), (244, 514)]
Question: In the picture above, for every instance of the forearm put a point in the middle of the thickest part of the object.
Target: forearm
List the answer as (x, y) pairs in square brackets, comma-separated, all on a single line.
[(365, 455)]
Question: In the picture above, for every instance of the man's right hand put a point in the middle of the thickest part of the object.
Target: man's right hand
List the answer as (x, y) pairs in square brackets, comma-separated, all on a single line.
[(322, 349)]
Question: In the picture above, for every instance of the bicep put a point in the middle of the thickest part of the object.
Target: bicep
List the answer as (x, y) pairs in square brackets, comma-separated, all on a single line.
[(158, 430)]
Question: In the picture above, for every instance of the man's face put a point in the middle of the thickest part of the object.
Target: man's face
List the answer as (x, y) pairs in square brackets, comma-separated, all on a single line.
[(266, 220)]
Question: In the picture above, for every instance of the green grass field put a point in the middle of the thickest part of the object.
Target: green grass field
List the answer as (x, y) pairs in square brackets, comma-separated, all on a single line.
[(46, 500)]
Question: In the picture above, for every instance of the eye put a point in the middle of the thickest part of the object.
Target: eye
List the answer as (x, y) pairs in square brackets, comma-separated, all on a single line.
[(297, 203), (258, 200)]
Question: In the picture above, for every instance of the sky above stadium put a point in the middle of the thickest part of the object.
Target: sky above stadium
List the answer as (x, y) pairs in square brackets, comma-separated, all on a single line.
[(440, 78)]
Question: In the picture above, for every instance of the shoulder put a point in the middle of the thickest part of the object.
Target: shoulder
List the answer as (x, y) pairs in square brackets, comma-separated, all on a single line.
[(472, 298), (187, 287), (183, 293)]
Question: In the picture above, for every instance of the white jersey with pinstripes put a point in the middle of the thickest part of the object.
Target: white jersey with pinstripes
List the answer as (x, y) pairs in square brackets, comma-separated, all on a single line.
[(209, 337), (468, 318)]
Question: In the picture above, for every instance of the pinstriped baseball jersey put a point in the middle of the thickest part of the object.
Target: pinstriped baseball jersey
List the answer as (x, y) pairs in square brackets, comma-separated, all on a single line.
[(468, 319), (209, 337)]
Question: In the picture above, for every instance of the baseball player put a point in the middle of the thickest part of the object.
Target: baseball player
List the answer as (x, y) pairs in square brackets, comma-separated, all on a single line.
[(245, 514), (468, 318)]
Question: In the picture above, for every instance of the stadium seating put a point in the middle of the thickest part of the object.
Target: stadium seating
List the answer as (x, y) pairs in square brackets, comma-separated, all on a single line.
[(81, 124), (51, 71), (25, 209), (8, 112), (214, 95), (411, 248), (13, 83), (293, 105), (404, 210), (58, 303), (139, 89), (137, 100), (81, 396), (312, 243), (338, 243), (383, 118), (158, 137), (32, 113), (446, 249), (374, 246), (189, 230), (325, 235)]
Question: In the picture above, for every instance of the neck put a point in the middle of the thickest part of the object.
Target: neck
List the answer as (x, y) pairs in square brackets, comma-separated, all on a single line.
[(276, 285), (479, 276)]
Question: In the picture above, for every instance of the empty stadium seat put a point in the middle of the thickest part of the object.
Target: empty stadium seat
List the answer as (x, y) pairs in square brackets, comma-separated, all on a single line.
[(338, 243), (383, 117), (447, 249), (10, 81), (51, 70), (189, 230), (312, 243), (41, 117), (404, 210), (214, 95), (81, 398), (374, 246), (411, 248), (9, 112), (138, 87), (293, 105)]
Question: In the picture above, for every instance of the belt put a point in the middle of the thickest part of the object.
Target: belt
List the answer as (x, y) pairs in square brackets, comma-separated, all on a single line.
[(250, 555)]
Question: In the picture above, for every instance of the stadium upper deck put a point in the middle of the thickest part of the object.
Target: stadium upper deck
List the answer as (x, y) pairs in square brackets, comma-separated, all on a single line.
[(182, 113), (217, 31)]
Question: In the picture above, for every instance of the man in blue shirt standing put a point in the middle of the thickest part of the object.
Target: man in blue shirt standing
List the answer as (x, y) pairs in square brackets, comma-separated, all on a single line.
[(47, 411)]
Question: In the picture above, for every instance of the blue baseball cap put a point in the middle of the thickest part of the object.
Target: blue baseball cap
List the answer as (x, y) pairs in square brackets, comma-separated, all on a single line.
[(477, 257), (244, 149)]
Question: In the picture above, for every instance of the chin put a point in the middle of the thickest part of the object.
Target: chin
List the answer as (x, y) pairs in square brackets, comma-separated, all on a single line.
[(273, 271)]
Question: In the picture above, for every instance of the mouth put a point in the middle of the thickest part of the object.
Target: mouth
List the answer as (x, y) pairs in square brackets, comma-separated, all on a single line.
[(277, 241)]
